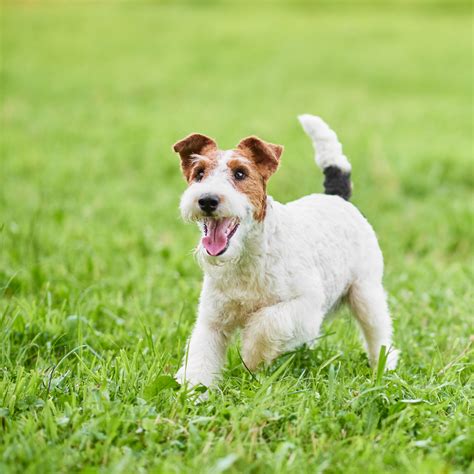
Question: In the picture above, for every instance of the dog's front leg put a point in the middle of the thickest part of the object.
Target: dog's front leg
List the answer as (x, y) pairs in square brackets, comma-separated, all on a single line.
[(277, 329), (205, 354)]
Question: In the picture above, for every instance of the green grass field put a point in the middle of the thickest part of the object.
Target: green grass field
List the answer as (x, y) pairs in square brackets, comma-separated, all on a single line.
[(98, 287)]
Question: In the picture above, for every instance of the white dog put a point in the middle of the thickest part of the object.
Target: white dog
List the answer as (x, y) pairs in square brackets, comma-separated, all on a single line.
[(275, 270)]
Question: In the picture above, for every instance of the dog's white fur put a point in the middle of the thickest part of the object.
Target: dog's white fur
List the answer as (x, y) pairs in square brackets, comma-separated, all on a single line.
[(280, 277)]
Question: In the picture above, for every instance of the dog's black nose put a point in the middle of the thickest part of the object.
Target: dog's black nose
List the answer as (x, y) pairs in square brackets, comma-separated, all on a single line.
[(208, 203)]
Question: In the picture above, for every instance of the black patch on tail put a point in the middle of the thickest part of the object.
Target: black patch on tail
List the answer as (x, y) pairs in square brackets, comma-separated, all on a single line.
[(337, 182)]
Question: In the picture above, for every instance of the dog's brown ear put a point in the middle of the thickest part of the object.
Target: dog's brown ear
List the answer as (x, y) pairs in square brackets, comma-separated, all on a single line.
[(194, 144), (265, 155)]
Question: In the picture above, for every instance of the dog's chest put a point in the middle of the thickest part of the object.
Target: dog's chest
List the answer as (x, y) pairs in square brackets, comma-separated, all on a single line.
[(242, 293)]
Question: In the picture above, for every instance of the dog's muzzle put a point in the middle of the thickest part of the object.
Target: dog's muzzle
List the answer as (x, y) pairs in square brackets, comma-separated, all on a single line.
[(208, 203)]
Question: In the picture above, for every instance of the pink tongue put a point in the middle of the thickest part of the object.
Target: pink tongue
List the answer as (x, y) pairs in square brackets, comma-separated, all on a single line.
[(216, 239)]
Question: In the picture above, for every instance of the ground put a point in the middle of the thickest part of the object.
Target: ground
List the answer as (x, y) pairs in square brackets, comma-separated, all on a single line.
[(98, 286)]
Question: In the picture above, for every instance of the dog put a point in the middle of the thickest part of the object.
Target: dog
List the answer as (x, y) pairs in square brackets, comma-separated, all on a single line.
[(276, 270)]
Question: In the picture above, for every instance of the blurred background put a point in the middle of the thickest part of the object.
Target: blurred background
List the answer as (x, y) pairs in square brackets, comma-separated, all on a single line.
[(94, 94)]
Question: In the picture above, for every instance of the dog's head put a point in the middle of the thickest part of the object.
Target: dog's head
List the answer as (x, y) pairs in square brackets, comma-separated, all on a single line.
[(227, 194)]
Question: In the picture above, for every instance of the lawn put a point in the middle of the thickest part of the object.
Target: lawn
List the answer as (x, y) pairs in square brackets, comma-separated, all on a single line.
[(98, 287)]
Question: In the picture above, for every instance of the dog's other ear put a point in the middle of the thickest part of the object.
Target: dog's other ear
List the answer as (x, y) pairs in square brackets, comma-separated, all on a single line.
[(194, 144), (265, 155)]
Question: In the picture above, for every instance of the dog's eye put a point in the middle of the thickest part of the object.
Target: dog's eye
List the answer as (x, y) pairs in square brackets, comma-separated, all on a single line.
[(239, 175), (199, 175)]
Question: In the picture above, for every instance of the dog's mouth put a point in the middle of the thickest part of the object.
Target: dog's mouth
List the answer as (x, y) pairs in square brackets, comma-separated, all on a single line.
[(217, 234)]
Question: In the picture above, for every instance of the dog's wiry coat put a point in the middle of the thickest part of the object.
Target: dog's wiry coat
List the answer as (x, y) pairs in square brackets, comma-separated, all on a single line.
[(284, 266)]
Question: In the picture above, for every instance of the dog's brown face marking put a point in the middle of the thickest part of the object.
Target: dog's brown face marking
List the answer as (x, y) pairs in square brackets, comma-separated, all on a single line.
[(198, 156), (250, 166), (202, 166), (260, 161), (247, 179)]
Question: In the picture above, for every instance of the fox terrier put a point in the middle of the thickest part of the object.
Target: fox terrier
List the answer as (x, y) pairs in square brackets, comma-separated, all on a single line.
[(275, 270)]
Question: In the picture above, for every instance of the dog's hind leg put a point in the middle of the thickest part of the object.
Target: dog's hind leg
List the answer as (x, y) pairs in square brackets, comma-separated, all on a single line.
[(369, 305), (277, 329)]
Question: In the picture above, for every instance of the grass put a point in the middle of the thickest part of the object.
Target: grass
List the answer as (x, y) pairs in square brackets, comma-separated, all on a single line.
[(98, 287)]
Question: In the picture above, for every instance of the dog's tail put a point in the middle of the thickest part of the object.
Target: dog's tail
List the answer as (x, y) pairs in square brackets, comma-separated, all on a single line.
[(329, 156)]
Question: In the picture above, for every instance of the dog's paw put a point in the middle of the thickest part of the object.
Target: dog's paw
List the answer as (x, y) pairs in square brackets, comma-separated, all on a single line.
[(180, 376), (194, 382), (192, 378), (392, 359)]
